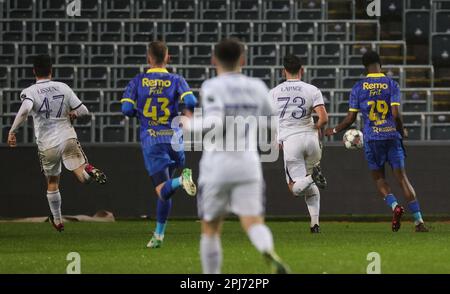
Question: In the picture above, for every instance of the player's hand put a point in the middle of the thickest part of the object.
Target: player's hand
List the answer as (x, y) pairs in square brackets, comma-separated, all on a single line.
[(72, 115), (280, 146), (12, 142), (405, 133), (329, 132)]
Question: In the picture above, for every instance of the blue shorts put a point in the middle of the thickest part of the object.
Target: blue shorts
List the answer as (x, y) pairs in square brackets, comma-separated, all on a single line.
[(159, 157), (380, 152)]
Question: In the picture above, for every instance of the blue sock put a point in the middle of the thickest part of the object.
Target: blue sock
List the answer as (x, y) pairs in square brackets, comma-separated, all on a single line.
[(169, 187), (414, 207), (162, 213), (391, 201)]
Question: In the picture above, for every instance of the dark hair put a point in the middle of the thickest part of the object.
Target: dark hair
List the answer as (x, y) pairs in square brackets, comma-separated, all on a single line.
[(228, 52), (42, 65), (371, 57), (158, 50), (292, 63)]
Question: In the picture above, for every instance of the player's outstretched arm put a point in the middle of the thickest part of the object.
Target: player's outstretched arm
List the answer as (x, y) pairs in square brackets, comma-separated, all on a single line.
[(21, 117), (345, 124)]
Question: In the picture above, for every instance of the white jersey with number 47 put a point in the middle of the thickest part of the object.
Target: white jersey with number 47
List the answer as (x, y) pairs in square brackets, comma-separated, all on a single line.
[(52, 101), (295, 102)]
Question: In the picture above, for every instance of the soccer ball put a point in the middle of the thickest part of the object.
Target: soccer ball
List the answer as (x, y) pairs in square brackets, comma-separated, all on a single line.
[(353, 139)]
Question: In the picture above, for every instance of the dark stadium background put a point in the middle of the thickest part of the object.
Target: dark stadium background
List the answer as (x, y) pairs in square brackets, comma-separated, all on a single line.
[(98, 52)]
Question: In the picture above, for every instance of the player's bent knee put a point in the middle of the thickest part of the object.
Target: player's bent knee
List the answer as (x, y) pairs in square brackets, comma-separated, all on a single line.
[(211, 228), (52, 183), (248, 221)]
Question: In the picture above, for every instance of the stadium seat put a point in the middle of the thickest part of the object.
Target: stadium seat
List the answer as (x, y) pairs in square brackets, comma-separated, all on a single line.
[(246, 9), (84, 134), (417, 26), (52, 9), (414, 132), (441, 49), (7, 54), (419, 4), (206, 32), (281, 9), (186, 9), (113, 134), (117, 9), (391, 9), (155, 9), (20, 9), (440, 132), (214, 9), (443, 21)]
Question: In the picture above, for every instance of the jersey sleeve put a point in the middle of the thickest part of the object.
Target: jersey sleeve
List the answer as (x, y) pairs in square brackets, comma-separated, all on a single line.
[(211, 104), (353, 100), (130, 93), (395, 94), (25, 95), (318, 99), (74, 101), (183, 89)]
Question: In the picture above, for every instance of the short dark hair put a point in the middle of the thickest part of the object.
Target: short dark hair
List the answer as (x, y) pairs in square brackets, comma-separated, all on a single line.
[(42, 65), (292, 63), (228, 52), (370, 58), (158, 50)]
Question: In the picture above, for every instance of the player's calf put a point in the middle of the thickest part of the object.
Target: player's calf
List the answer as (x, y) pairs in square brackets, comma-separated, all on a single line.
[(318, 177)]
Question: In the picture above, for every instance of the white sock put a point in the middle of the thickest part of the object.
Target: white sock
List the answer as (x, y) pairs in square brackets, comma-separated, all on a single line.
[(312, 199), (301, 184), (211, 254), (261, 237), (54, 201), (87, 177)]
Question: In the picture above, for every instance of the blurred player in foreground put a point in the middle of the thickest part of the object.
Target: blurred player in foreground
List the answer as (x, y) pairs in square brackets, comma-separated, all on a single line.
[(154, 98), (298, 135), (378, 99), (54, 106), (232, 180)]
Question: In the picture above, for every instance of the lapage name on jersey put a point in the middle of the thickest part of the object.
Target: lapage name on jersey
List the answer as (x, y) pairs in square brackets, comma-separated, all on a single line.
[(54, 106), (298, 135)]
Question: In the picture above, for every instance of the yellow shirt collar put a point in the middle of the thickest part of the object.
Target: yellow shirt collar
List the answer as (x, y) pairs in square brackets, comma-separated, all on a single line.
[(157, 69), (375, 75)]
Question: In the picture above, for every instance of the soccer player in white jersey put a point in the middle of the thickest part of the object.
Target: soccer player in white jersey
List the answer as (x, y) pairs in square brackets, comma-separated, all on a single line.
[(231, 180), (298, 135), (54, 106)]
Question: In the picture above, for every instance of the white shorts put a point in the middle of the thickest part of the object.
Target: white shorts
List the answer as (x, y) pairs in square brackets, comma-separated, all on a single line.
[(301, 152), (69, 152), (215, 200)]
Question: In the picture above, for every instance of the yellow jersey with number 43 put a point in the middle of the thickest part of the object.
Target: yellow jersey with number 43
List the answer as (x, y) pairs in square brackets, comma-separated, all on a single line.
[(156, 96), (374, 97)]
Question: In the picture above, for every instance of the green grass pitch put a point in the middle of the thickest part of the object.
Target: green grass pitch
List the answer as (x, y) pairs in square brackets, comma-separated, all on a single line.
[(118, 247)]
